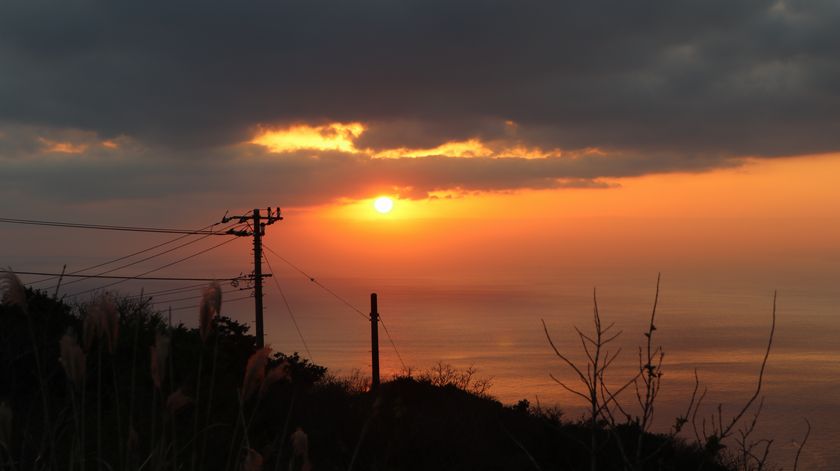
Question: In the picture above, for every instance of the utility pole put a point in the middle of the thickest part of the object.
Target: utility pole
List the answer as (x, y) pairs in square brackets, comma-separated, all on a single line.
[(257, 231), (374, 342)]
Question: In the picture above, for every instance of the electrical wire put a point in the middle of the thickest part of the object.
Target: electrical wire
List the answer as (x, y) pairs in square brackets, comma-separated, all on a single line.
[(197, 305), (104, 227), (146, 258), (180, 289), (137, 277), (189, 298), (158, 268), (313, 280), (391, 339), (125, 256), (288, 308)]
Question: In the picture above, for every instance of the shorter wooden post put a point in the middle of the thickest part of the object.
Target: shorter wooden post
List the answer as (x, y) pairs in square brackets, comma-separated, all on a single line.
[(374, 342)]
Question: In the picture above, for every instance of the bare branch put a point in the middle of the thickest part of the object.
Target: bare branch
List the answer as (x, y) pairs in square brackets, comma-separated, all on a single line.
[(611, 338), (801, 446), (697, 409), (740, 414), (567, 388), (560, 355)]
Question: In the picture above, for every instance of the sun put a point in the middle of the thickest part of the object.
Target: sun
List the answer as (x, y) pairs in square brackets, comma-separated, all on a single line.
[(383, 204)]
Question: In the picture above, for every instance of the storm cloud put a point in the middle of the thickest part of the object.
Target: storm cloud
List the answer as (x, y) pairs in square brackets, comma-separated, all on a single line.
[(657, 86)]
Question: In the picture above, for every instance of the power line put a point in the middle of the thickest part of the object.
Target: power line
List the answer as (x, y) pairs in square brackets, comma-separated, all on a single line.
[(312, 279), (106, 227), (129, 255), (138, 277), (351, 306), (289, 309), (158, 268), (188, 298), (391, 339), (179, 289), (197, 305), (144, 259)]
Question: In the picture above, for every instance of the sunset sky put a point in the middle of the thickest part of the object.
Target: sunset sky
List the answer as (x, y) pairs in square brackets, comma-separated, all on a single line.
[(522, 142), (593, 133)]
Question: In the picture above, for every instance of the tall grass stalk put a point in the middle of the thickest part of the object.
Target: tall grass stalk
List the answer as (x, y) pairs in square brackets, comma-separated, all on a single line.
[(282, 437), (48, 430), (211, 305), (209, 398), (172, 414), (99, 401), (137, 322), (76, 425), (197, 407), (83, 438), (14, 293), (121, 444)]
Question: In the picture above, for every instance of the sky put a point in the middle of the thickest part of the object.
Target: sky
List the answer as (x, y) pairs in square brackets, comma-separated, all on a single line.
[(519, 140), (529, 147), (468, 113), (515, 137), (300, 104)]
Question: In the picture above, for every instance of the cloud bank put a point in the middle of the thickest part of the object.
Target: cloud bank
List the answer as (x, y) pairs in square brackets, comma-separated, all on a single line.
[(97, 92)]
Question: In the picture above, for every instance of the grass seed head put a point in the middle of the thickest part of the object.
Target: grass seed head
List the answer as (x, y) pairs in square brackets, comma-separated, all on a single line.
[(275, 374), (102, 322), (177, 401), (255, 372), (12, 291), (300, 443), (133, 441), (211, 306), (72, 359), (159, 357), (253, 461)]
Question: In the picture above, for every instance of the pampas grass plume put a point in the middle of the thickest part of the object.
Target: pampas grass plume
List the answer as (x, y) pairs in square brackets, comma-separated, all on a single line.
[(300, 448), (177, 401), (211, 306), (72, 359), (90, 329), (12, 291), (255, 372), (133, 442), (102, 321), (253, 461), (275, 374), (159, 358)]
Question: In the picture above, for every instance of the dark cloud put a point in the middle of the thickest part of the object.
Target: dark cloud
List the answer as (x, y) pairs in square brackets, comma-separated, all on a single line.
[(237, 175), (658, 85), (747, 77)]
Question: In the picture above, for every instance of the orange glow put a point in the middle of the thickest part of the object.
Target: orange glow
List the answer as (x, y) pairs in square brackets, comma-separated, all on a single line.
[(468, 148), (335, 136), (758, 215), (110, 144), (62, 147), (343, 136)]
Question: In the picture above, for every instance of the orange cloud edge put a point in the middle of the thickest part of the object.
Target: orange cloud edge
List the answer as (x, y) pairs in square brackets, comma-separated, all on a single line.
[(343, 137)]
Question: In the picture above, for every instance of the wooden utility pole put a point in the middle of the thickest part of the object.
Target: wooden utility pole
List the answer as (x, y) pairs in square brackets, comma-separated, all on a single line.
[(257, 231), (258, 299), (374, 342)]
